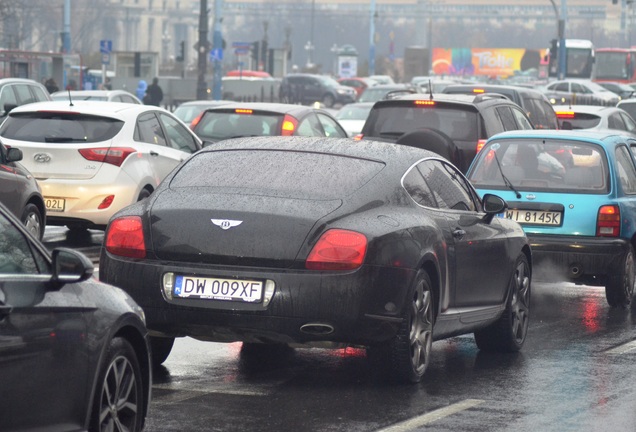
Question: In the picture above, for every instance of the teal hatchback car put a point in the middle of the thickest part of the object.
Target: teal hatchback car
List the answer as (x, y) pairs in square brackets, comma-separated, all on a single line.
[(574, 193)]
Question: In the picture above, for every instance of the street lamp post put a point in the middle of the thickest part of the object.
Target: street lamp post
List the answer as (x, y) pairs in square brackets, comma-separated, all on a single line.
[(561, 17), (335, 50), (372, 17), (309, 47)]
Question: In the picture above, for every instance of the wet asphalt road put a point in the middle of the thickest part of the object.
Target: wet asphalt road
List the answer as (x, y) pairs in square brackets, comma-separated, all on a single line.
[(575, 373)]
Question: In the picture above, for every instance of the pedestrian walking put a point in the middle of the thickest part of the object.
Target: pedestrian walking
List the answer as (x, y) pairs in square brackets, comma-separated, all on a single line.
[(154, 94)]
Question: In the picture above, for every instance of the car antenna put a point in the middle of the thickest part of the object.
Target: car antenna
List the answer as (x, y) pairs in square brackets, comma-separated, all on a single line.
[(430, 90), (70, 101)]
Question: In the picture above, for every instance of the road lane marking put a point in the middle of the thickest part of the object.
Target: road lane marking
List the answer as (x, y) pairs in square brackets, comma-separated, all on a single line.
[(183, 394), (432, 416), (623, 349)]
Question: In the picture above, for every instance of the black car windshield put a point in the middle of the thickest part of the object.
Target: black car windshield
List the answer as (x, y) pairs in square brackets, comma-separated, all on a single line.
[(393, 120), (291, 174), (56, 127), (220, 125), (541, 165)]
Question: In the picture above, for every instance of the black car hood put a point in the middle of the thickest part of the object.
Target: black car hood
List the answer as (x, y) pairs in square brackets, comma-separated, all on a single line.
[(233, 229)]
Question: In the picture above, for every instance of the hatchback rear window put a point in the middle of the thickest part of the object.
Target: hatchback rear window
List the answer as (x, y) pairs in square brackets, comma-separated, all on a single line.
[(56, 127), (541, 165), (392, 120), (569, 120), (219, 125), (290, 174)]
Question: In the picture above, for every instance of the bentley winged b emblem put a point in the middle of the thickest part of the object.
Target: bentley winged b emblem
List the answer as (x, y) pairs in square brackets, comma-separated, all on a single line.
[(225, 223)]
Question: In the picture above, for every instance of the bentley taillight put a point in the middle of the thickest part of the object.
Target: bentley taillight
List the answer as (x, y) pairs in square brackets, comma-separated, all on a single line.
[(338, 249), (125, 237)]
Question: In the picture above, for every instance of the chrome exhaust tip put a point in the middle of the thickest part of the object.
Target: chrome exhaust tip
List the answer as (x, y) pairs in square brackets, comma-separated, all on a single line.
[(318, 329)]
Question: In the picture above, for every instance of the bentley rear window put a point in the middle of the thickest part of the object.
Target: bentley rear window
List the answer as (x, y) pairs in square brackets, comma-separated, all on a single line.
[(273, 172)]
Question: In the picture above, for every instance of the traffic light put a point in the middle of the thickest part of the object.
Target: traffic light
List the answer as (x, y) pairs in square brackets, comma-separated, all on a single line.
[(181, 55), (256, 48)]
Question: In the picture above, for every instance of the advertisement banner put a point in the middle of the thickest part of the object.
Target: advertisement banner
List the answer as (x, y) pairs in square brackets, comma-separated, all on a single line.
[(347, 66), (494, 62)]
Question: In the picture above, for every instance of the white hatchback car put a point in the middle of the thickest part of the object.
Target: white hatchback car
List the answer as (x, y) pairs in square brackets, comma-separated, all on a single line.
[(96, 95), (91, 159)]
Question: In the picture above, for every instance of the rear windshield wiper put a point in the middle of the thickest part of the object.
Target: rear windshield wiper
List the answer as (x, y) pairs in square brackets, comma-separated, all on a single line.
[(64, 139)]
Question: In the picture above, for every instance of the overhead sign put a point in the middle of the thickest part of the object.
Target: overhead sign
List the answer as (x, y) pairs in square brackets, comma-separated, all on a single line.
[(105, 48), (216, 54)]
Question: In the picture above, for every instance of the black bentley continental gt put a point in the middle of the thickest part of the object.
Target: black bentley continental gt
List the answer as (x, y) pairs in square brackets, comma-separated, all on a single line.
[(322, 241)]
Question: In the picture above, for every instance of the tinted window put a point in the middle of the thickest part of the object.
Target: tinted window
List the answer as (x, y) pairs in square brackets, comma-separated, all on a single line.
[(626, 171), (506, 117), (16, 255), (417, 187), (580, 121), (217, 125), (553, 165), (7, 97), (521, 120), (614, 121), (282, 173), (331, 128), (39, 94), (391, 121), (24, 94), (447, 185), (55, 127), (179, 138), (148, 130)]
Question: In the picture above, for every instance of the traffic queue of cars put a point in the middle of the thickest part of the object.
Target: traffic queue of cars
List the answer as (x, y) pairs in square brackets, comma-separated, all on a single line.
[(431, 223)]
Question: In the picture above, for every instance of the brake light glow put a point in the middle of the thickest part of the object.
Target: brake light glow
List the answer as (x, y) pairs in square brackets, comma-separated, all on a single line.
[(358, 137), (479, 90), (337, 249), (289, 125), (110, 155), (243, 111), (125, 237), (425, 102), (196, 120), (565, 114), (480, 145), (608, 223)]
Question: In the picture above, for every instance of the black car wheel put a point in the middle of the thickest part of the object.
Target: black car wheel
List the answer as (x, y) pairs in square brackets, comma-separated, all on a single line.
[(328, 100), (508, 333), (32, 220), (118, 402), (407, 356), (620, 285), (160, 348)]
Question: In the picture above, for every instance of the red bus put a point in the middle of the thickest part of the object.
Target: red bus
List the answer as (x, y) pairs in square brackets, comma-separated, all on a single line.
[(616, 64)]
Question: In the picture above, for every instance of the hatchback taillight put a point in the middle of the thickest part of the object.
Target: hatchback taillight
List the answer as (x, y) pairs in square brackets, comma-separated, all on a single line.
[(338, 249), (358, 137), (125, 237), (110, 155), (289, 125), (196, 120), (608, 223)]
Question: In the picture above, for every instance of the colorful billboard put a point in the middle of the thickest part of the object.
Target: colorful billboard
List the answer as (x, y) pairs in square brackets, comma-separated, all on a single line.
[(495, 62)]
